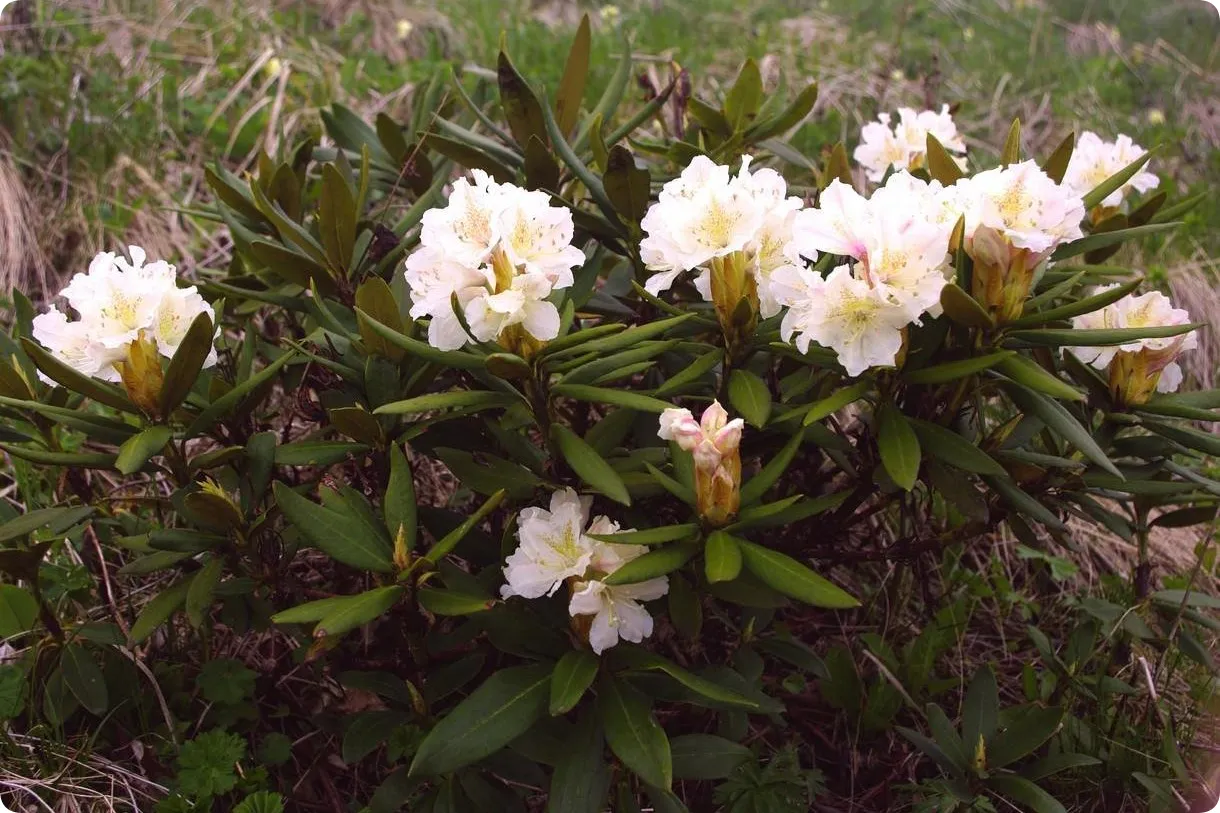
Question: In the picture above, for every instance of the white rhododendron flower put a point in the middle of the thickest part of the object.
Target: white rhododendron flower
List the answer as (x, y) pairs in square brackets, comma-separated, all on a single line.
[(524, 303), (616, 609), (859, 321), (706, 214), (555, 548), (1095, 161), (900, 240), (1156, 355), (119, 302), (1023, 205), (905, 145), (501, 250)]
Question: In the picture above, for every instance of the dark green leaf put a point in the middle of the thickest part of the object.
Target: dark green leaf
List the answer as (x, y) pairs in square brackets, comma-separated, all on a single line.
[(633, 733), (574, 674), (582, 777), (950, 447), (790, 577), (706, 756), (356, 611), (653, 564), (750, 396), (953, 370), (334, 533), (722, 557), (84, 679), (1026, 794), (188, 360), (589, 465), (898, 445), (503, 708)]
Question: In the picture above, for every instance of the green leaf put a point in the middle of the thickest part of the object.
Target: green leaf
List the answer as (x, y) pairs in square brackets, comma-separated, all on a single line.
[(947, 739), (980, 709), (202, 591), (929, 748), (1057, 763), (503, 708), (941, 165), (680, 490), (399, 506), (589, 465), (964, 309), (757, 486), (337, 219), (450, 540), (375, 301), (318, 452), (461, 152), (616, 397), (789, 117), (1028, 372), (454, 399), (1108, 238), (722, 557), (1026, 794), (574, 674), (64, 375), (184, 368), (953, 370), (1056, 164), (334, 533), (582, 777), (898, 445), (228, 402), (636, 659), (356, 611), (1178, 598), (627, 186), (158, 611), (1115, 181), (653, 564), (750, 397), (1080, 306), (1023, 737), (651, 536), (59, 518), (788, 576), (1023, 503), (1011, 153), (744, 98), (950, 447), (835, 401), (575, 74), (700, 367), (633, 733), (1072, 337), (84, 679), (706, 756), (1060, 421), (521, 107), (42, 457), (453, 602), (565, 152), (18, 611)]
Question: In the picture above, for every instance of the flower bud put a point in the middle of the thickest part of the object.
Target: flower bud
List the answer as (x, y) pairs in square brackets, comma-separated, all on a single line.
[(141, 373), (714, 443)]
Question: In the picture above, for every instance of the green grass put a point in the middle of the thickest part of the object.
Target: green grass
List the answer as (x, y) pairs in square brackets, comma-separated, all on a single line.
[(84, 94)]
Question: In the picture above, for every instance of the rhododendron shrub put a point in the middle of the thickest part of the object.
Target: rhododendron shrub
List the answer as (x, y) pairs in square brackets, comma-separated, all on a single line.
[(583, 446)]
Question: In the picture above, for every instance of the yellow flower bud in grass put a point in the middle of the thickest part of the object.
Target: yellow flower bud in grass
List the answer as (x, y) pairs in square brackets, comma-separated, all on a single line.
[(714, 442), (141, 374)]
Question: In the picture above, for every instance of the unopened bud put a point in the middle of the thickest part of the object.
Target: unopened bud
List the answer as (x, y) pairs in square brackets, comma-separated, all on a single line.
[(402, 554), (141, 373)]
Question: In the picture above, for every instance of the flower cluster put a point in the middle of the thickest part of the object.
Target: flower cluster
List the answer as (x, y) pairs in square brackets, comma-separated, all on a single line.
[(713, 441), (1138, 368), (1016, 216), (555, 548), (905, 145), (899, 238), (120, 302), (1093, 161), (500, 251), (705, 217)]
